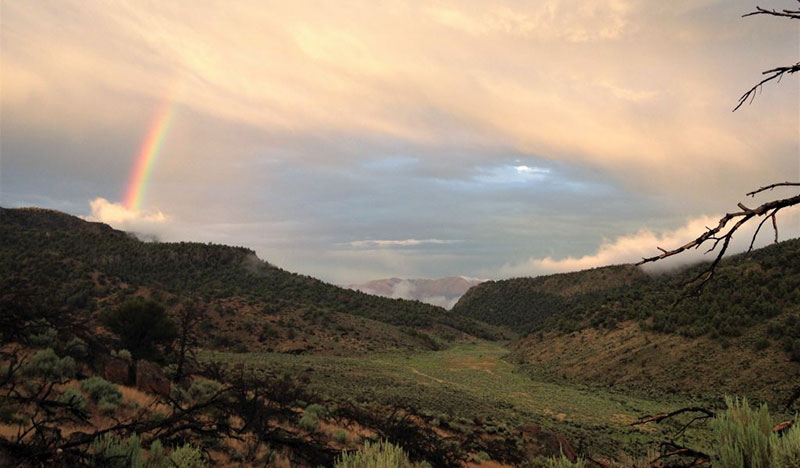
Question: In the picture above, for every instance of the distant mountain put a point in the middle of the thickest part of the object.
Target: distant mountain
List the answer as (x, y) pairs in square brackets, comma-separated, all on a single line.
[(56, 260), (443, 292)]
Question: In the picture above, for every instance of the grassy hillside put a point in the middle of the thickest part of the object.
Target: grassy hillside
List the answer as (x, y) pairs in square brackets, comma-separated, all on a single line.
[(747, 291), (58, 260), (619, 327)]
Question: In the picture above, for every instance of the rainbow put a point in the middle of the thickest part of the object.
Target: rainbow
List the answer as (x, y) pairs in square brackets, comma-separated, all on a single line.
[(147, 156)]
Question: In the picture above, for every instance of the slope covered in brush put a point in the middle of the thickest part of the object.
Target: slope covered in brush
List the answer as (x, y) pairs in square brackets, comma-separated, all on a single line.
[(90, 266), (746, 290)]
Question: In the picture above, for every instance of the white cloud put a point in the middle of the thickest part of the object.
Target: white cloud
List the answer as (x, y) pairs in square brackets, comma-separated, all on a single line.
[(633, 247), (531, 170), (120, 217)]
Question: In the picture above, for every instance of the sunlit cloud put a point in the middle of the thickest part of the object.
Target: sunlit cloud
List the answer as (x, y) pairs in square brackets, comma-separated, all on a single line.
[(118, 216), (643, 243)]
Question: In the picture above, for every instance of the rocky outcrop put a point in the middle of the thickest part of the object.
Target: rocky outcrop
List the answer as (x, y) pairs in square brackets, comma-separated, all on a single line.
[(118, 371), (150, 378)]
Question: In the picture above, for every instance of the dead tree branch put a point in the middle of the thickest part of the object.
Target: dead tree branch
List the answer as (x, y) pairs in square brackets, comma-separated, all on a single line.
[(772, 186), (703, 414), (793, 14), (775, 73), (717, 236)]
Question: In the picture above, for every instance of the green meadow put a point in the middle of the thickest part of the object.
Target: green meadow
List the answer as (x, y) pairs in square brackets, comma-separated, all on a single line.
[(472, 384)]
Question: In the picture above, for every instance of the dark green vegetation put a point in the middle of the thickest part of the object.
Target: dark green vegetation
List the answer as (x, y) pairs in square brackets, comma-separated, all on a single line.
[(469, 390), (249, 365), (61, 260), (747, 290), (141, 325)]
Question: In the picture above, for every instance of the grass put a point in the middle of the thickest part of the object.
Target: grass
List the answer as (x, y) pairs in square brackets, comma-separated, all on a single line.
[(472, 380)]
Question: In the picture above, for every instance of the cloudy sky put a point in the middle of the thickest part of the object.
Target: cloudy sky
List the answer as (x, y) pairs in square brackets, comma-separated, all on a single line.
[(354, 140)]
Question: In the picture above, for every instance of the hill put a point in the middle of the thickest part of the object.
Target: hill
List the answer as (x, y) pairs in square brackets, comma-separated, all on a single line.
[(61, 260), (747, 290), (618, 326), (443, 292)]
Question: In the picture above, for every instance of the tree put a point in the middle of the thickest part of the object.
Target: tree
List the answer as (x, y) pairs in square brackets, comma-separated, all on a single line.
[(718, 236), (141, 325), (189, 316)]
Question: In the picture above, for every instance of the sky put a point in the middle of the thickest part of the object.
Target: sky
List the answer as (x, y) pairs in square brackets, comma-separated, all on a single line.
[(355, 140)]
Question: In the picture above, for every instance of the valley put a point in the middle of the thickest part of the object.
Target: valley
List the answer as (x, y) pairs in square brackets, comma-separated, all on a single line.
[(134, 343), (472, 387)]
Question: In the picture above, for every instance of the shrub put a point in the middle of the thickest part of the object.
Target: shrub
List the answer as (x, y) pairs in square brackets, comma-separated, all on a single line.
[(319, 410), (761, 344), (742, 435), (744, 438), (377, 455), (340, 436), (101, 391), (117, 453), (564, 462), (203, 389), (309, 421), (187, 456), (74, 398), (46, 336), (76, 348), (124, 354), (786, 449), (157, 456), (107, 408), (47, 365)]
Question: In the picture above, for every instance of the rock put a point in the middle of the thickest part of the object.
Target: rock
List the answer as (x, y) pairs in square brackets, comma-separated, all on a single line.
[(118, 371), (150, 378)]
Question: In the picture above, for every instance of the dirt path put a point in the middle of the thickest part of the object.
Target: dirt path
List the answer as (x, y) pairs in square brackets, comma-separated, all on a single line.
[(426, 375)]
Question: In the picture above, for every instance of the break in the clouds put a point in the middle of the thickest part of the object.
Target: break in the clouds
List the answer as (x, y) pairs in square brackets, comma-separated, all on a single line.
[(398, 242), (330, 137)]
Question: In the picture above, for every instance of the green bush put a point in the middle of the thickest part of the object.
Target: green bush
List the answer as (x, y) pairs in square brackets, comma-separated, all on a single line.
[(744, 438), (319, 410), (377, 455), (46, 337), (187, 456), (340, 436), (157, 456), (203, 389), (47, 365), (112, 452), (786, 449), (102, 392), (564, 462), (76, 348), (74, 398), (309, 421)]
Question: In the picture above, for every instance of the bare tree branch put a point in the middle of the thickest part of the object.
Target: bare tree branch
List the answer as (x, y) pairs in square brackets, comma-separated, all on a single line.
[(793, 14), (768, 209), (770, 187), (775, 73)]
